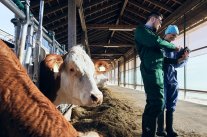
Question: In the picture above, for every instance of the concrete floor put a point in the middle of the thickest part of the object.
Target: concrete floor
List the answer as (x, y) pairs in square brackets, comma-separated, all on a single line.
[(189, 117)]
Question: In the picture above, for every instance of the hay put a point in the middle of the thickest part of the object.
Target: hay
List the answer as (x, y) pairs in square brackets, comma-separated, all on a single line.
[(111, 119)]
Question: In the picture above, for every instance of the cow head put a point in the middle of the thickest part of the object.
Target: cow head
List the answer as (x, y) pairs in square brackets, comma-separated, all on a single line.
[(77, 83)]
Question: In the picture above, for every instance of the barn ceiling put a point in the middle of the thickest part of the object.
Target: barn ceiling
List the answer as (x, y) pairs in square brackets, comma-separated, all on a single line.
[(109, 23)]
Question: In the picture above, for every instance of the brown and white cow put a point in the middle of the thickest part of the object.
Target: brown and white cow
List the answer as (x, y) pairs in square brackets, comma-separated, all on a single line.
[(70, 79), (24, 110)]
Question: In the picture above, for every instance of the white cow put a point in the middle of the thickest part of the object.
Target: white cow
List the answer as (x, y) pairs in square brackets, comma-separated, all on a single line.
[(101, 80), (70, 79)]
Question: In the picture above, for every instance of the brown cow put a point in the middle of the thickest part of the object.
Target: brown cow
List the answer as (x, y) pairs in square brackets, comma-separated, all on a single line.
[(24, 110)]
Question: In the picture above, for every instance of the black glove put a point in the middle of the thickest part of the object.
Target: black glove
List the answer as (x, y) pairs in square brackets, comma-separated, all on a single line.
[(182, 51)]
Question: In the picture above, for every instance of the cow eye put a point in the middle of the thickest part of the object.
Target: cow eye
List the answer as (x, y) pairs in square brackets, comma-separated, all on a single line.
[(71, 70)]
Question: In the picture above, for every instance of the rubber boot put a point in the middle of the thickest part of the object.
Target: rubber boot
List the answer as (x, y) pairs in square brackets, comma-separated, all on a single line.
[(148, 126), (160, 126), (169, 125)]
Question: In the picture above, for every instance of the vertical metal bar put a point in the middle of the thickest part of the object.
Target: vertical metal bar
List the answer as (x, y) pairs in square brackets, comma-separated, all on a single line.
[(29, 49), (135, 70), (29, 45), (124, 71), (38, 45), (23, 34), (39, 33), (184, 33), (114, 72), (118, 73), (71, 23)]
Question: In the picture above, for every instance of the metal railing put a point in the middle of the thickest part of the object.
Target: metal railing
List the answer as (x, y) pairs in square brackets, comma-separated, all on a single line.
[(6, 36)]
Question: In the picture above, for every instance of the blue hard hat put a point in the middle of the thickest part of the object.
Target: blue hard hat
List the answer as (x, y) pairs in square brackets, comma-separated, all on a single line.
[(172, 29)]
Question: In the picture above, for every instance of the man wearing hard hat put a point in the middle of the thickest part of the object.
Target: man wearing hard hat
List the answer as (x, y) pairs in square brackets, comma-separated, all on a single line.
[(170, 82)]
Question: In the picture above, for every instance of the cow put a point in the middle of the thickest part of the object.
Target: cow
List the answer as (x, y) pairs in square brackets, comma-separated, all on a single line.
[(69, 79), (101, 80), (24, 110)]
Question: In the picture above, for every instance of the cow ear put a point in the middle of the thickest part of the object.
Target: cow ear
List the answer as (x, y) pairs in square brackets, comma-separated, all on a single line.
[(58, 63), (53, 62), (64, 56)]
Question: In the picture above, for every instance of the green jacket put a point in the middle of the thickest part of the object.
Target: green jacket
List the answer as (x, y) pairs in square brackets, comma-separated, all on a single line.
[(149, 45)]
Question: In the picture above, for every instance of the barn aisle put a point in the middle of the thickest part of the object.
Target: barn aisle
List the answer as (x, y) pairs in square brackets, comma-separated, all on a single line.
[(190, 118)]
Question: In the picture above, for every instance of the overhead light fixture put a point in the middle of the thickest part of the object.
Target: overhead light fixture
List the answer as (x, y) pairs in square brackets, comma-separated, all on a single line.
[(114, 29), (104, 59), (102, 68), (111, 46)]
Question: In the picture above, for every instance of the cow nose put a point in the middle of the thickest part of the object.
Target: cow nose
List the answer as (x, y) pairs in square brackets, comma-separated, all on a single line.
[(97, 98), (94, 97)]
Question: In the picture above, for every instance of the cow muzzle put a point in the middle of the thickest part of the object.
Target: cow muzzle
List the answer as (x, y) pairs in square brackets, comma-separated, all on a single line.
[(97, 99)]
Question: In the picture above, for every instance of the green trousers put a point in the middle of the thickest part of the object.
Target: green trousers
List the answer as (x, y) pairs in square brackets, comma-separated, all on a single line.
[(153, 80)]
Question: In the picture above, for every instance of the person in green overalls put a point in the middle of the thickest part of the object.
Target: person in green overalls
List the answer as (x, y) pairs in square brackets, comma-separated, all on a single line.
[(149, 45)]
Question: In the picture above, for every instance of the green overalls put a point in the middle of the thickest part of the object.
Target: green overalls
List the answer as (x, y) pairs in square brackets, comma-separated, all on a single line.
[(149, 46)]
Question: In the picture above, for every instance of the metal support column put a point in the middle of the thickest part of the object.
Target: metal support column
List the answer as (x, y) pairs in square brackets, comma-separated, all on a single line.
[(23, 33), (124, 71), (118, 65), (71, 23), (135, 70), (38, 45), (184, 32)]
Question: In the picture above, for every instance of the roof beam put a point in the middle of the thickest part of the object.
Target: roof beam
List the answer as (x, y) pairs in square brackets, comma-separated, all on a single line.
[(105, 7), (94, 3), (117, 22), (56, 8), (61, 37), (58, 25), (63, 41), (102, 58), (112, 45), (187, 6), (134, 11), (104, 15), (98, 35), (52, 20), (107, 54), (124, 38), (161, 5), (176, 1), (136, 4), (36, 3), (79, 4), (111, 27), (61, 31), (132, 20)]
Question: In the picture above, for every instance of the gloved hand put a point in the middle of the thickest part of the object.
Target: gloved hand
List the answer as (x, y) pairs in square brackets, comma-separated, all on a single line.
[(184, 54)]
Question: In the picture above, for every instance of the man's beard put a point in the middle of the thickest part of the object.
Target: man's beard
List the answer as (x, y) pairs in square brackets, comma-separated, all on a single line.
[(154, 29)]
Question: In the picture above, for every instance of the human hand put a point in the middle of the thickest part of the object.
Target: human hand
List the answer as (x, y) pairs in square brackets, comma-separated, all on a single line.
[(178, 48), (185, 56), (186, 49)]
